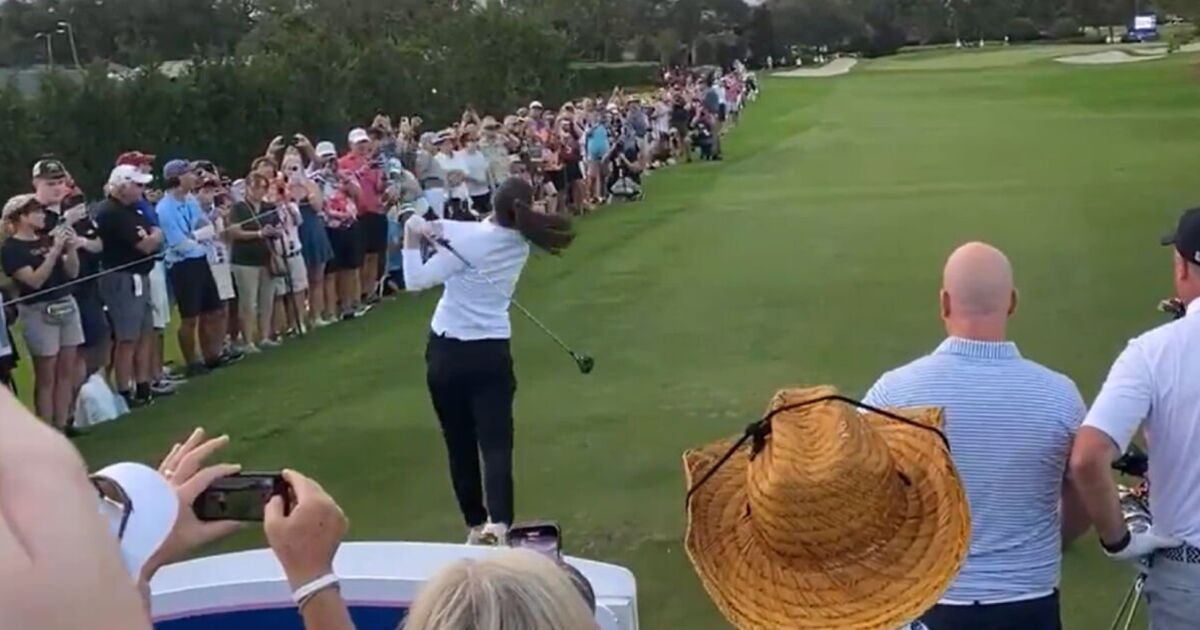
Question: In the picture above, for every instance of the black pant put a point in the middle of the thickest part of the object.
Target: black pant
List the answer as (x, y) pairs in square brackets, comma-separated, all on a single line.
[(1035, 614), (482, 203), (472, 386)]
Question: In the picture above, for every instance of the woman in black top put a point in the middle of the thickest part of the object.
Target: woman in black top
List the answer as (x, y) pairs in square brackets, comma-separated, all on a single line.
[(40, 265)]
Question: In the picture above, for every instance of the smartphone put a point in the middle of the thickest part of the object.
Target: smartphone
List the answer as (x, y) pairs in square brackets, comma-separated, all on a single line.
[(544, 537), (241, 497)]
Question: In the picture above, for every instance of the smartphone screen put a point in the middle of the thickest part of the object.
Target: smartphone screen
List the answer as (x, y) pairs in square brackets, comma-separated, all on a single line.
[(241, 497), (544, 538)]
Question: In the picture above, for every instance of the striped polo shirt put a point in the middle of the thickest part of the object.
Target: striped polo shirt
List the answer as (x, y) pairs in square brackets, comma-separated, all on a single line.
[(1010, 423)]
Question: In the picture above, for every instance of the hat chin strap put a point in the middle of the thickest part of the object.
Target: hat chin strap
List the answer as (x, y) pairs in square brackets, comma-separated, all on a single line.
[(758, 431)]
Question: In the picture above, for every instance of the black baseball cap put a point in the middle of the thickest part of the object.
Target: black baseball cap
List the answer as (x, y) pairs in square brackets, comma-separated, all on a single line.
[(1186, 237)]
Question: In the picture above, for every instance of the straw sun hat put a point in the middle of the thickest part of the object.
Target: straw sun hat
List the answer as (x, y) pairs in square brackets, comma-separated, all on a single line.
[(832, 519)]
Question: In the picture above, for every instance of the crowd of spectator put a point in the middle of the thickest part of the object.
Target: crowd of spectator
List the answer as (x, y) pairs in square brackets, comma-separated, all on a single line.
[(305, 239)]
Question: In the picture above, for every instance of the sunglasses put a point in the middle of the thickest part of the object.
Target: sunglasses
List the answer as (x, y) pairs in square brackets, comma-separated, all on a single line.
[(113, 496)]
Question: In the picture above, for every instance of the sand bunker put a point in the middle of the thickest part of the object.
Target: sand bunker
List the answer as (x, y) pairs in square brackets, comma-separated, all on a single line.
[(1147, 53), (834, 68), (1109, 57)]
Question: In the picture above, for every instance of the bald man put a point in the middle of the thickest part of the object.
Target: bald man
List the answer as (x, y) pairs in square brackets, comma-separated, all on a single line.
[(1010, 423)]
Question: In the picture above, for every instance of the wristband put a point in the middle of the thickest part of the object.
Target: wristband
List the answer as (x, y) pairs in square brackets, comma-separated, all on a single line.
[(306, 592), (1120, 545)]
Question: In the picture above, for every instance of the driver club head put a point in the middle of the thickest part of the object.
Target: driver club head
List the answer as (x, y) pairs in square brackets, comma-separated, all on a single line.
[(585, 362)]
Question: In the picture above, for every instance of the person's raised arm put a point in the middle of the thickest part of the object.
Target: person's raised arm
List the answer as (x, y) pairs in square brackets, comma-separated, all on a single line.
[(35, 277), (423, 274), (70, 256), (305, 542)]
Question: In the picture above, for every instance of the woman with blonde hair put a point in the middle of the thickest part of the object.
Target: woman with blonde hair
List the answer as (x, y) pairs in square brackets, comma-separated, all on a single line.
[(42, 265), (507, 590)]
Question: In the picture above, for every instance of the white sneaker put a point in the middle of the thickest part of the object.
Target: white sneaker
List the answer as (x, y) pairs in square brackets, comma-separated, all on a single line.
[(475, 536), (249, 349), (494, 534), (321, 322), (270, 343)]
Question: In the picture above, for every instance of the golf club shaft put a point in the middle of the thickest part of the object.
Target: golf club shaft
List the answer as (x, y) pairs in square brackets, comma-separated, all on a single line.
[(549, 333)]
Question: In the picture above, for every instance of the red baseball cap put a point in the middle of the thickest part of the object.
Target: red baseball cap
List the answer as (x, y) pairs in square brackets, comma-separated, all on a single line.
[(135, 158)]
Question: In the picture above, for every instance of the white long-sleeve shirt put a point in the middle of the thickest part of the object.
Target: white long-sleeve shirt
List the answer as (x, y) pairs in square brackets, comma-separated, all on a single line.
[(471, 308)]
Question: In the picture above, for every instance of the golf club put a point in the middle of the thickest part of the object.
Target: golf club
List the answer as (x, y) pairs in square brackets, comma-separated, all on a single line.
[(585, 362)]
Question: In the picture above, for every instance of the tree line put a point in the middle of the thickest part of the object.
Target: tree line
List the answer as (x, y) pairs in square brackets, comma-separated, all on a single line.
[(263, 67), (135, 32)]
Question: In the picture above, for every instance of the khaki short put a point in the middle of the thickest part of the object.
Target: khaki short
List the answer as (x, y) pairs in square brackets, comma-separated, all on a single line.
[(46, 335), (299, 273)]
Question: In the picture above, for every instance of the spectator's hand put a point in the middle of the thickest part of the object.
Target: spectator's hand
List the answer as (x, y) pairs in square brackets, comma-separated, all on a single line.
[(60, 239), (184, 469), (306, 540), (270, 231), (277, 144)]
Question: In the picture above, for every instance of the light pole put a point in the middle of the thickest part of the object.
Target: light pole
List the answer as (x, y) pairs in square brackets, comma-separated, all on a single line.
[(49, 37), (65, 27)]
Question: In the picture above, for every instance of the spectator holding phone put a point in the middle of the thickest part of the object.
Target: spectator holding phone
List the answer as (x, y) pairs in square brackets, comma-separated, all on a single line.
[(430, 174), (339, 189), (64, 205), (291, 277), (255, 223), (314, 241), (363, 163), (40, 265)]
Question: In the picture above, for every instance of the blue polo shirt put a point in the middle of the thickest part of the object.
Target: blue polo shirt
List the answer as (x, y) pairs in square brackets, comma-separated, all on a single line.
[(178, 219), (1010, 423)]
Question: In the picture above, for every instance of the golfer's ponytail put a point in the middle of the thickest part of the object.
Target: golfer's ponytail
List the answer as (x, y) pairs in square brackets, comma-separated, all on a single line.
[(514, 209)]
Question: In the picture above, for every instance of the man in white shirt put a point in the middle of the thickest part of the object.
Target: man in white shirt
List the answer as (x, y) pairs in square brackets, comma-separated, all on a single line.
[(1154, 382)]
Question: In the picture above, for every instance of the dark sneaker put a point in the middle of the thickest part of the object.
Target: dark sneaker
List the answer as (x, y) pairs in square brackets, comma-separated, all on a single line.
[(198, 369)]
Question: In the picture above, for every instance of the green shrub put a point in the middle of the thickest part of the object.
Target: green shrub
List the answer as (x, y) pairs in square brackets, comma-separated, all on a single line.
[(228, 110), (1177, 37), (1065, 28), (1022, 29), (594, 79)]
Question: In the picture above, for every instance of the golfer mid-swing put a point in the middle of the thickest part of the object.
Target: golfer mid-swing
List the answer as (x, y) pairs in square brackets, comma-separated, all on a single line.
[(468, 361)]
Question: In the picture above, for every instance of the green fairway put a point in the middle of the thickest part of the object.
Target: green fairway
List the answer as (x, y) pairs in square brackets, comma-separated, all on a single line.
[(811, 255)]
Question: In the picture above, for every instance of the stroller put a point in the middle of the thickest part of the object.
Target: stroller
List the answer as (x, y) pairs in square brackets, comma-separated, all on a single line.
[(626, 180), (702, 138)]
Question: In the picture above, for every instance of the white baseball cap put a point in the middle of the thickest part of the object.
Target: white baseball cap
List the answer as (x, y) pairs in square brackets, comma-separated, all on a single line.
[(128, 174), (358, 134), (147, 518), (326, 149), (536, 105)]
